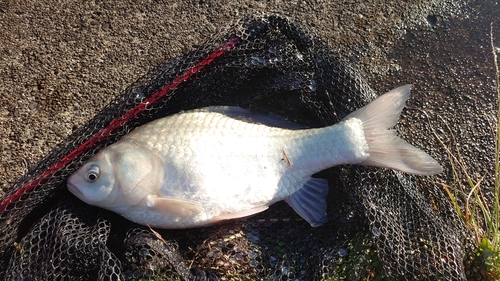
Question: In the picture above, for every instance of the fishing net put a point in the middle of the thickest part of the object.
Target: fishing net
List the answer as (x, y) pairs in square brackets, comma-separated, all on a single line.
[(383, 225)]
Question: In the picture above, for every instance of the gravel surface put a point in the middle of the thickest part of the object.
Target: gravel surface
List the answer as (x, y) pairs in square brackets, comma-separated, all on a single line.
[(60, 63)]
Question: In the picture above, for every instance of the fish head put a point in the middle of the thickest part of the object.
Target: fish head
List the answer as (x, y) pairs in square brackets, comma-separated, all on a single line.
[(118, 177), (95, 181)]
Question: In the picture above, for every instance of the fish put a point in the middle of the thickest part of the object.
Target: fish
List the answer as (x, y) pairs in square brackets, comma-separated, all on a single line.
[(204, 166)]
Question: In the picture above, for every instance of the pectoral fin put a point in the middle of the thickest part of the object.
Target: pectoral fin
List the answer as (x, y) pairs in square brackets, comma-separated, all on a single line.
[(177, 207), (310, 201)]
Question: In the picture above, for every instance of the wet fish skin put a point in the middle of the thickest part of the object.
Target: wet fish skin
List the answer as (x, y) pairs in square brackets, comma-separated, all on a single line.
[(200, 167)]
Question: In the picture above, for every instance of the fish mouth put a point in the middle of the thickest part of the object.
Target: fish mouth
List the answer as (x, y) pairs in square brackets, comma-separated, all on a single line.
[(73, 189)]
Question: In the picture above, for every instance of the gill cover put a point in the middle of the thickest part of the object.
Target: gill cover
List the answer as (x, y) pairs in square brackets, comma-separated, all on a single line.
[(120, 175)]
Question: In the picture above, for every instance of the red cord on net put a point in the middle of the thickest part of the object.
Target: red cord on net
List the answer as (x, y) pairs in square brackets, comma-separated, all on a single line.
[(23, 192)]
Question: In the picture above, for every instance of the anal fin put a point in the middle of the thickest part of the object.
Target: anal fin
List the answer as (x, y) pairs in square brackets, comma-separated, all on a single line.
[(310, 201)]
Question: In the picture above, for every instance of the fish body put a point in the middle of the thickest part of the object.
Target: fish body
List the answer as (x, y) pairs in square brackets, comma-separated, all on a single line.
[(200, 167)]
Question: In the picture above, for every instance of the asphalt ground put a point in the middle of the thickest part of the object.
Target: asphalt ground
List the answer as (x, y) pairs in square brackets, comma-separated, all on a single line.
[(60, 63)]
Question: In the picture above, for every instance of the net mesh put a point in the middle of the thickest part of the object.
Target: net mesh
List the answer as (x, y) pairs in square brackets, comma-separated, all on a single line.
[(383, 225)]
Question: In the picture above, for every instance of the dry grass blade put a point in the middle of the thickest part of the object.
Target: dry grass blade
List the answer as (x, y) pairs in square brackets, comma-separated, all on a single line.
[(496, 240)]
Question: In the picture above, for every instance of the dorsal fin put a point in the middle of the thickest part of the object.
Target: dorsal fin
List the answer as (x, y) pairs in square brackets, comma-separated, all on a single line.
[(246, 115)]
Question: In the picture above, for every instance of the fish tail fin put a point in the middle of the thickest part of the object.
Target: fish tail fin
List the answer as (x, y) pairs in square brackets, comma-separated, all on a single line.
[(386, 148)]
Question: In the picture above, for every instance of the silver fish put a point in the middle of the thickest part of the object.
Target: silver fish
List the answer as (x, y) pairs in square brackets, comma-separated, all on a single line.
[(200, 167)]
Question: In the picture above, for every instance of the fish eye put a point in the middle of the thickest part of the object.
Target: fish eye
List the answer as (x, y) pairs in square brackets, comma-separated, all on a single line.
[(92, 173)]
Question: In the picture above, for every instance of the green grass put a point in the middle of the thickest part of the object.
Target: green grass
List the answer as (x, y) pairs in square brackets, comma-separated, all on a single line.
[(481, 216)]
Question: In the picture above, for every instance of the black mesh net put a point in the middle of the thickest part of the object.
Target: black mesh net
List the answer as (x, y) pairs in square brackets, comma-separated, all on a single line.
[(383, 225)]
